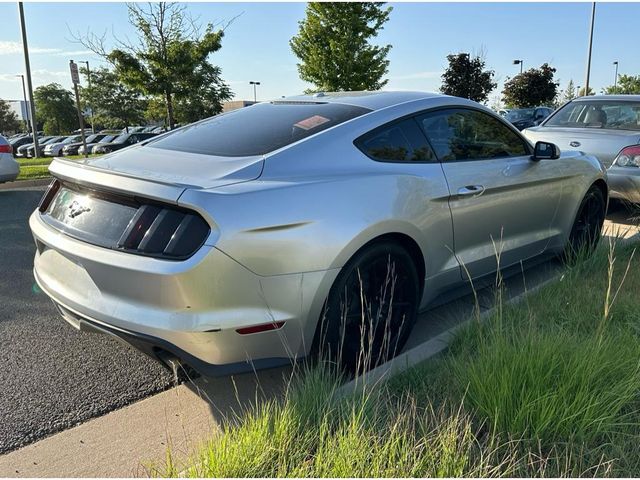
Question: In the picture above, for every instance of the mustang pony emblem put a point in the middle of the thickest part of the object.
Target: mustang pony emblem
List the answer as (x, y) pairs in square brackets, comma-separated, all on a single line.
[(77, 209)]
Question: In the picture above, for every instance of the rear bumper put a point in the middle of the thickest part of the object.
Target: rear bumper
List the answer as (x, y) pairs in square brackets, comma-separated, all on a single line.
[(156, 348), (624, 183), (9, 168), (190, 308)]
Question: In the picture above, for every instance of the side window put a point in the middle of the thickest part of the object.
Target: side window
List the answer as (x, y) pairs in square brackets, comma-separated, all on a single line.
[(399, 142), (465, 134)]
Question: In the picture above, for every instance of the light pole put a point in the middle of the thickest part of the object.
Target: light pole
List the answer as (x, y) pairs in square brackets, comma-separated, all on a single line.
[(255, 98), (615, 80), (26, 104), (593, 17), (27, 68), (93, 128), (519, 62)]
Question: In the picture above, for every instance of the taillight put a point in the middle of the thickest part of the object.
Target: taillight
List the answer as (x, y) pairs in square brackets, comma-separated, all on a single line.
[(164, 232), (6, 148), (629, 157)]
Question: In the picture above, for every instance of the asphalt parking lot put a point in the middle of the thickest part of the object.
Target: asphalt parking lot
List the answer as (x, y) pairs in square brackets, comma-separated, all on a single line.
[(53, 377)]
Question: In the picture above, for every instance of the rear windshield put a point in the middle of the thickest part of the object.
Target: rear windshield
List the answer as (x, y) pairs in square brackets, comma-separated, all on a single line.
[(520, 114), (258, 129), (616, 115)]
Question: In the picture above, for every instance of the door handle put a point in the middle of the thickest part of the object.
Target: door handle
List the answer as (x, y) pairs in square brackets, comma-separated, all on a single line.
[(471, 191)]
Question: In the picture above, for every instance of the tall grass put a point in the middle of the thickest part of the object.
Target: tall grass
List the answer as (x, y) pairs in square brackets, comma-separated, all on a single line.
[(553, 387), (548, 387)]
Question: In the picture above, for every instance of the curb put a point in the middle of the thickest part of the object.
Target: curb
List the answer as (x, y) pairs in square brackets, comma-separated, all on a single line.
[(19, 184)]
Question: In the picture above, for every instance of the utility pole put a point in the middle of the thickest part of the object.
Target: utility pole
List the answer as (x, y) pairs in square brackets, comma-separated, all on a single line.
[(75, 78), (615, 80), (586, 81), (519, 62), (93, 128), (255, 98), (27, 68), (26, 104)]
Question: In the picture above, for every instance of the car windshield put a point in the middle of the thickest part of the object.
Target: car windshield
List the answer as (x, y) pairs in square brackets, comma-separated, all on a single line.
[(107, 139), (610, 114), (121, 138), (520, 114), (77, 138), (258, 129), (93, 138)]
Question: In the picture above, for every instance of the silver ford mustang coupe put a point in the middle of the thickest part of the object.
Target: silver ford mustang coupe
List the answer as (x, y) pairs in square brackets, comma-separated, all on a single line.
[(266, 234)]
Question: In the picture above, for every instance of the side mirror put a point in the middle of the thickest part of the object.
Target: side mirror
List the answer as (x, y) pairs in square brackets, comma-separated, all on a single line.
[(545, 151)]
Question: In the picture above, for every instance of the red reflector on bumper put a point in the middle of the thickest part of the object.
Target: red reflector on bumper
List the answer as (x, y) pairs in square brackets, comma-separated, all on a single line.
[(260, 328)]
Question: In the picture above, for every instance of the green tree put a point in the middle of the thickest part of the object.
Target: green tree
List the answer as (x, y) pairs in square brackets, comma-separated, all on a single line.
[(627, 84), (570, 92), (170, 60), (334, 46), (8, 119), (531, 88), (582, 94), (114, 104), (466, 77), (55, 109)]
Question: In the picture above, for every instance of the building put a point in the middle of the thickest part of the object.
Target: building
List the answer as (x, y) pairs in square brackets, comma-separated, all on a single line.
[(20, 107), (236, 104)]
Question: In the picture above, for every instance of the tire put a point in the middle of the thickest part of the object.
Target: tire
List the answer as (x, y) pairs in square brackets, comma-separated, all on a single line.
[(587, 227), (385, 276)]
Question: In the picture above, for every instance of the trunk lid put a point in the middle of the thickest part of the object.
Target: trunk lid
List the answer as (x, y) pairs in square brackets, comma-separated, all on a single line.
[(604, 144), (156, 173), (190, 170)]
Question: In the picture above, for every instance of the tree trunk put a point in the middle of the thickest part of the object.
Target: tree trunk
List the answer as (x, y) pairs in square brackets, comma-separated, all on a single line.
[(170, 118)]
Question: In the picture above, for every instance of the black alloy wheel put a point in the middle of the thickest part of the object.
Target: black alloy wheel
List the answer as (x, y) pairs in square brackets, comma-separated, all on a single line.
[(371, 309)]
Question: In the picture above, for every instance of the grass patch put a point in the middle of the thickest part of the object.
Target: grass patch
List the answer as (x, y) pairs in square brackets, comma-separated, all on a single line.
[(32, 172), (547, 387), (33, 168)]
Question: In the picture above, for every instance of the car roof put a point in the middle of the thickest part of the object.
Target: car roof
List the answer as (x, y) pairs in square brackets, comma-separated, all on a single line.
[(370, 100), (618, 98)]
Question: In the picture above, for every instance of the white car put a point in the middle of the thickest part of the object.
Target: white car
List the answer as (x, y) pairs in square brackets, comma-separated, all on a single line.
[(9, 168), (55, 149)]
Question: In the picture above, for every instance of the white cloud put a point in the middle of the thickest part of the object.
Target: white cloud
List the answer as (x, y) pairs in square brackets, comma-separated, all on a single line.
[(40, 77), (11, 48), (416, 76), (14, 48), (73, 52)]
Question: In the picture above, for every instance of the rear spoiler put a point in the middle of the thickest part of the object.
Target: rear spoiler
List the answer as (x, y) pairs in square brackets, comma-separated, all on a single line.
[(92, 177)]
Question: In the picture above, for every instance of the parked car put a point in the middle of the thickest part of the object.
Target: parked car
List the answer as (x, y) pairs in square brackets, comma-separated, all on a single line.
[(9, 168), (30, 151), (18, 142), (72, 148), (21, 151), (607, 126), (522, 118), (121, 141), (54, 149), (108, 138), (248, 239)]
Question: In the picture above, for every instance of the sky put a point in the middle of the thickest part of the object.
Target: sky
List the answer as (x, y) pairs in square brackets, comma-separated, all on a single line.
[(256, 44)]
